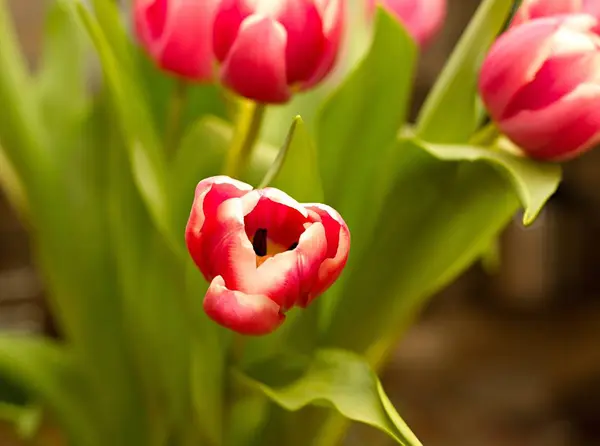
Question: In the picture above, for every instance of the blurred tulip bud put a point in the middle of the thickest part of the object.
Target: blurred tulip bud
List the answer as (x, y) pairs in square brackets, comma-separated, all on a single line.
[(262, 252), (541, 85), (535, 9), (422, 18), (178, 35), (268, 49)]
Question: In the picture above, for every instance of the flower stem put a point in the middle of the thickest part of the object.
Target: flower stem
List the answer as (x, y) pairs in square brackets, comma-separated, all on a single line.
[(249, 122), (486, 135), (175, 115)]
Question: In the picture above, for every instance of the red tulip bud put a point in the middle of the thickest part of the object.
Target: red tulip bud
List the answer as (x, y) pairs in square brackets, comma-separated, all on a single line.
[(177, 34), (270, 48), (422, 18), (262, 252), (541, 85)]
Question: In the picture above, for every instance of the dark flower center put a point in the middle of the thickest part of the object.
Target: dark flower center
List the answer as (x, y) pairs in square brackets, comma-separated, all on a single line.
[(261, 245)]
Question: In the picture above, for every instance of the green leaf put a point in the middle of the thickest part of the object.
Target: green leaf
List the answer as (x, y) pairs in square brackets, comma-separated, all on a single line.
[(534, 182), (358, 124), (296, 170), (21, 130), (439, 217), (334, 378), (61, 82), (145, 154), (450, 113), (45, 370)]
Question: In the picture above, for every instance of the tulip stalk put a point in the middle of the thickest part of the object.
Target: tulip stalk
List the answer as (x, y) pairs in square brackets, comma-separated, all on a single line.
[(249, 121)]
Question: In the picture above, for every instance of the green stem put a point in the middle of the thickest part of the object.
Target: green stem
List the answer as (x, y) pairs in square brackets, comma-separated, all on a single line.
[(486, 135), (175, 115), (249, 122)]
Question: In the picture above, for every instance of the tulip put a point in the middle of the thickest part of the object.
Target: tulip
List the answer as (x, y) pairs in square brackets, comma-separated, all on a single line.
[(262, 252), (421, 18), (534, 9), (268, 49), (177, 34), (541, 85)]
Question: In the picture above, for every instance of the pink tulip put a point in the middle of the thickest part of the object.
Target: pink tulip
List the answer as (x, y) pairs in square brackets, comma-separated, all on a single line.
[(541, 85), (177, 34), (423, 19), (268, 49), (535, 9), (262, 252)]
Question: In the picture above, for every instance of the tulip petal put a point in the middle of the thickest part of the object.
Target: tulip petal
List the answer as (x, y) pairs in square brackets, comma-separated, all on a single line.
[(249, 314), (210, 194), (534, 9), (229, 17), (560, 131), (338, 248), (332, 13), (510, 64), (305, 38), (255, 65)]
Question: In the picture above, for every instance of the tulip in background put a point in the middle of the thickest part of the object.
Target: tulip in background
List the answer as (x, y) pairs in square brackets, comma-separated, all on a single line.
[(422, 18), (178, 35), (534, 9), (541, 84), (269, 49), (262, 252)]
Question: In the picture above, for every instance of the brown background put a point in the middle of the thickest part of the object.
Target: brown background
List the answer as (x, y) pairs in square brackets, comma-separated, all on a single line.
[(508, 360)]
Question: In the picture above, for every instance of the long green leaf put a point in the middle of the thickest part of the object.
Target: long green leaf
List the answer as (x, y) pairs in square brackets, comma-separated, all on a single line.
[(451, 114), (334, 378), (146, 157)]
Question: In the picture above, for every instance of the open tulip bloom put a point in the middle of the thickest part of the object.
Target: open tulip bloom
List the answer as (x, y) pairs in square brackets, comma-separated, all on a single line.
[(195, 257), (262, 252)]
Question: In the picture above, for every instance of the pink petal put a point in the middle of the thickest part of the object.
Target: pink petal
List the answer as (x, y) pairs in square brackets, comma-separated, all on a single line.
[(244, 313), (422, 18), (534, 9), (510, 65), (287, 278), (280, 214), (557, 78), (305, 39), (178, 35), (255, 65), (338, 248), (560, 131), (209, 195), (333, 13), (229, 17)]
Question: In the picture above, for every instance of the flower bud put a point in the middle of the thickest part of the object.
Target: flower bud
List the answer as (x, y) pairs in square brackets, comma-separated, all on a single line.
[(262, 252), (269, 49), (535, 9), (541, 85), (422, 18), (177, 34)]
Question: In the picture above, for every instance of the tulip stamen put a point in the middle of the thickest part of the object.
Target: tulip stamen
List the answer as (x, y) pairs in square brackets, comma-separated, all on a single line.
[(293, 246), (259, 242)]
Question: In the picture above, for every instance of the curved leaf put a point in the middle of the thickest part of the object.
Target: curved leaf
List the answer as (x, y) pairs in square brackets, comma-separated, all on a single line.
[(534, 182), (451, 112), (335, 378)]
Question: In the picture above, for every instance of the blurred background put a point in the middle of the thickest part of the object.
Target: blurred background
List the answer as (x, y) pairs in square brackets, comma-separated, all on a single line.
[(507, 359)]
